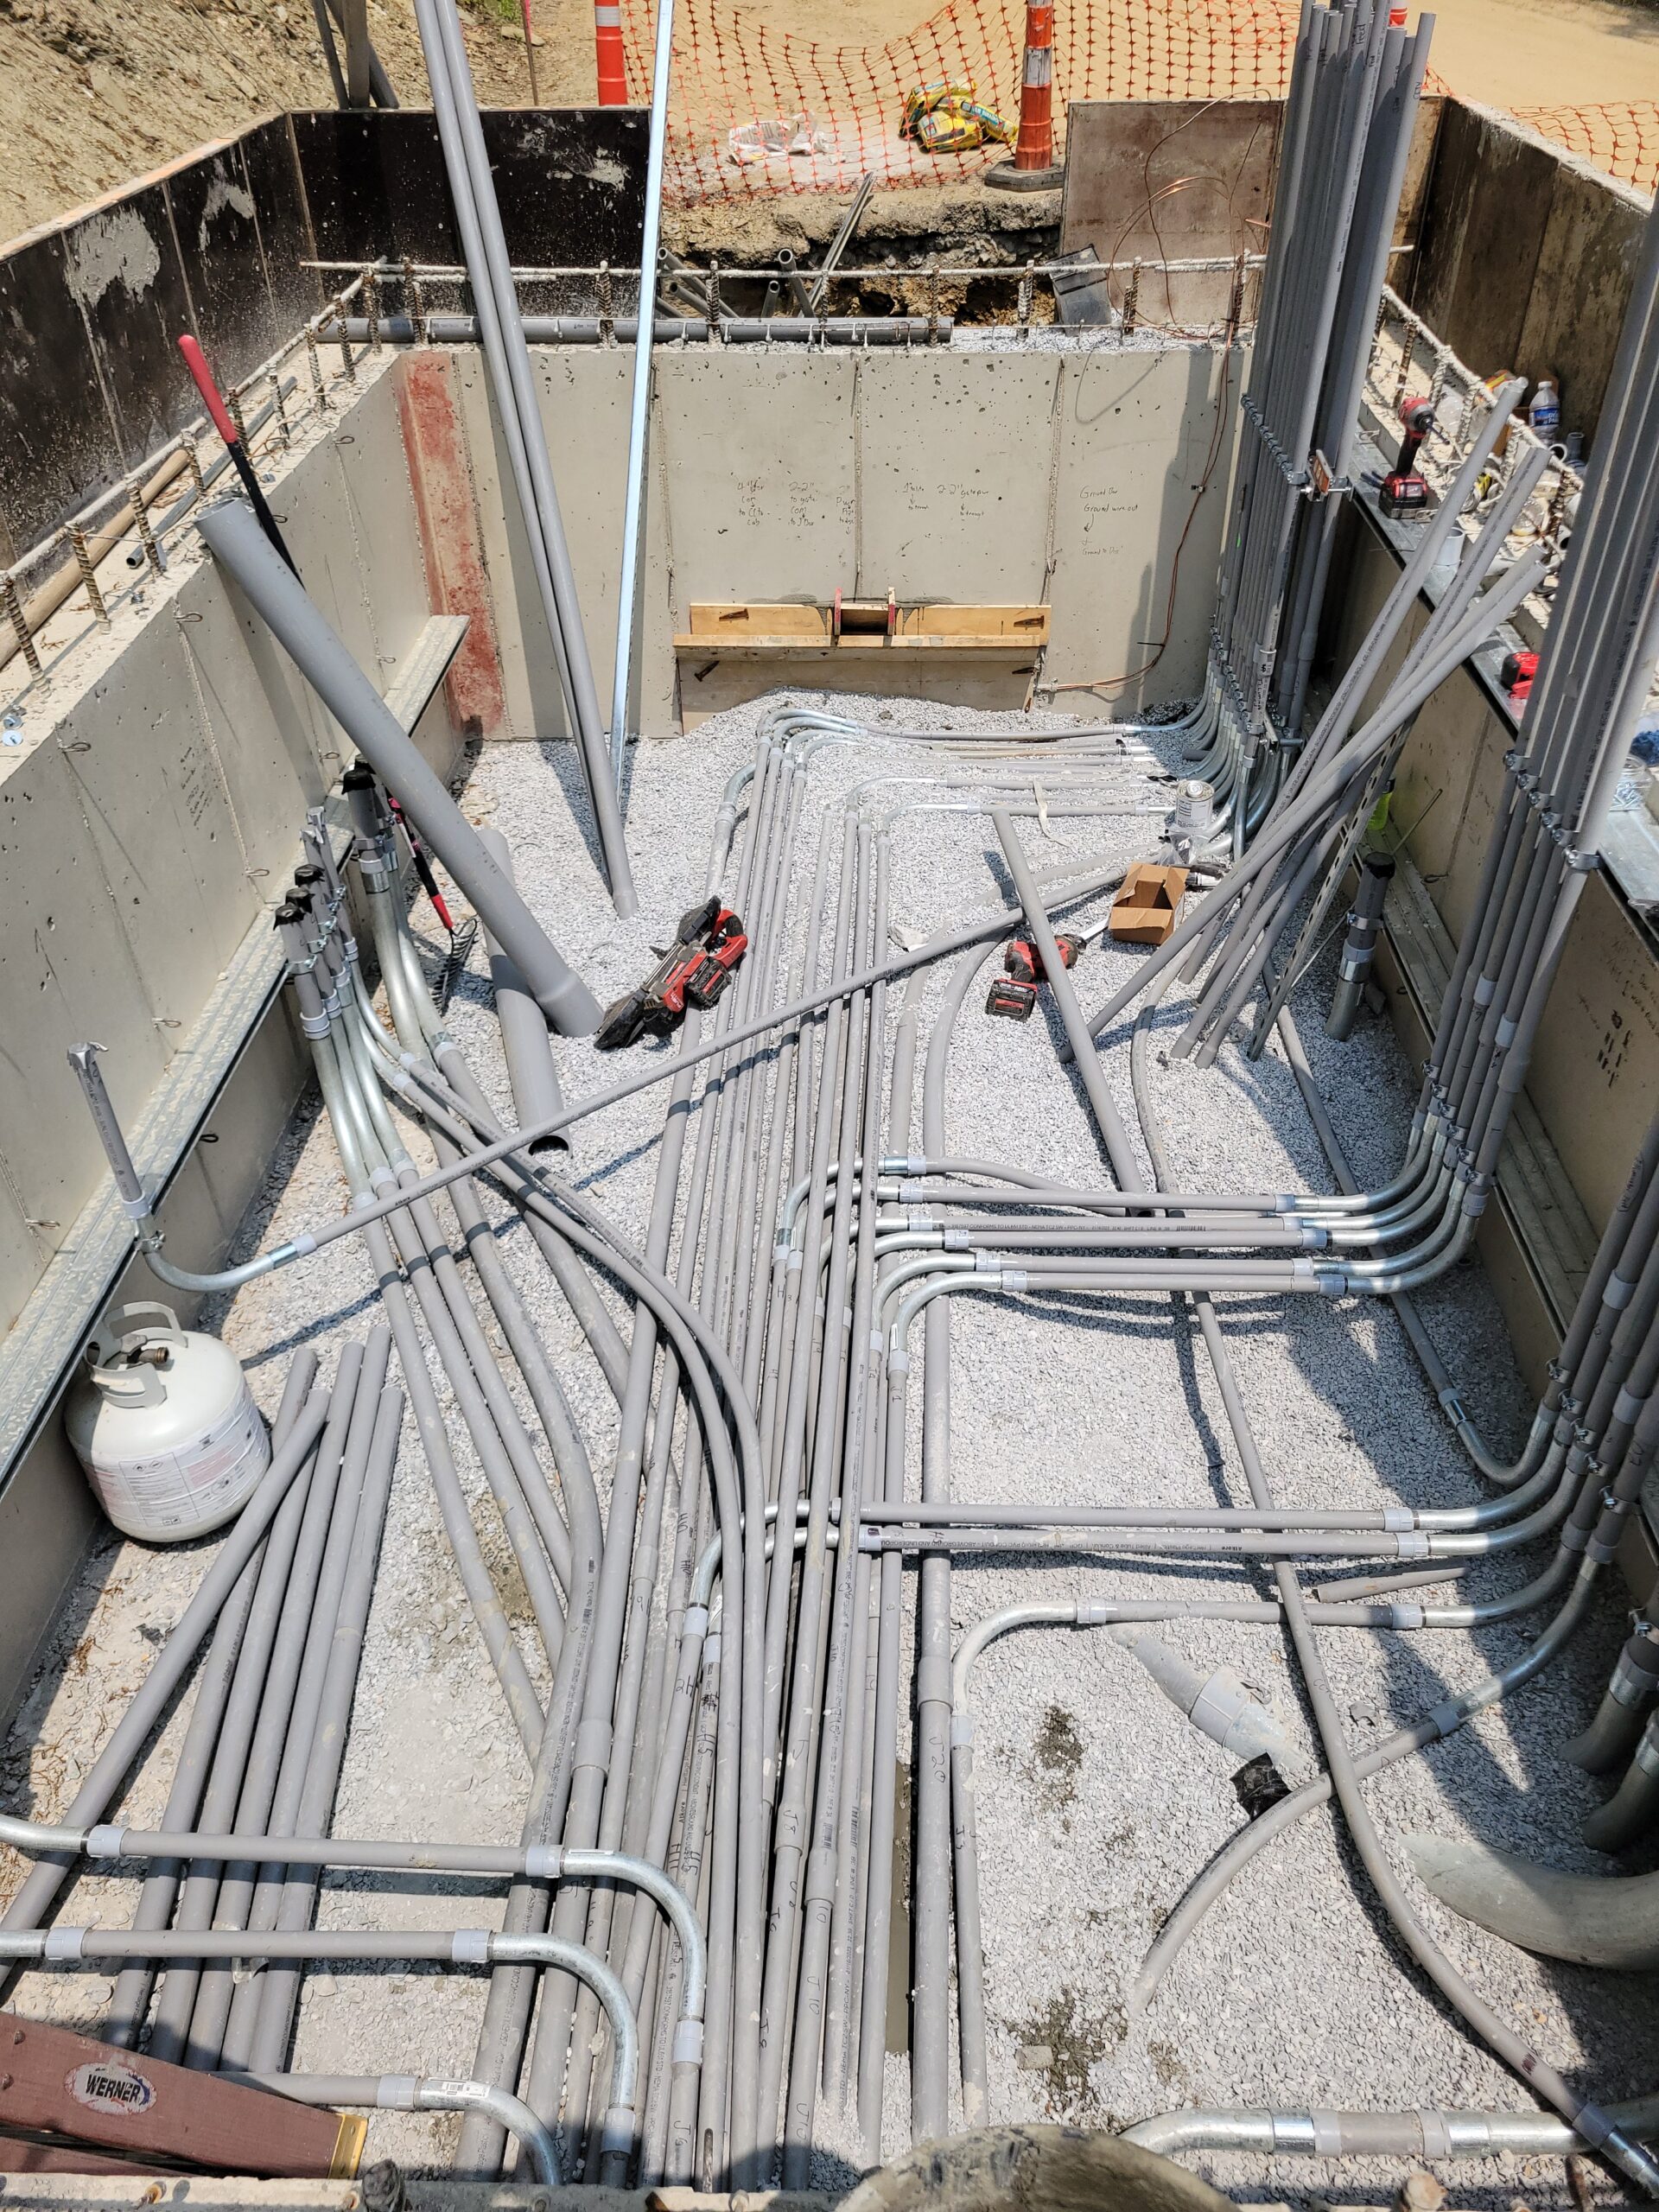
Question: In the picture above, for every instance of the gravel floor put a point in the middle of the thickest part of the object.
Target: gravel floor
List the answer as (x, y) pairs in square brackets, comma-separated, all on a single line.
[(1098, 1803)]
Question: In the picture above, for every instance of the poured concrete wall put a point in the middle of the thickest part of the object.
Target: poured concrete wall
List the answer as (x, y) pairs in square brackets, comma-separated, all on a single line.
[(1527, 256), (967, 477), (148, 819)]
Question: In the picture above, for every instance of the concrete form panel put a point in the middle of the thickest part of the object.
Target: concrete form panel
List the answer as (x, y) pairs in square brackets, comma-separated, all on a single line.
[(1136, 432), (1595, 1067), (1170, 180), (151, 792), (954, 457), (583, 392), (316, 517), (259, 719), (1526, 256), (760, 458), (1594, 1071), (67, 974), (587, 393), (373, 474)]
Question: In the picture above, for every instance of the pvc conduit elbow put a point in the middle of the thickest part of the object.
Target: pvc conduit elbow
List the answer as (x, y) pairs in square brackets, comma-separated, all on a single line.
[(1594, 1920), (1630, 1813), (1222, 1708), (417, 2093)]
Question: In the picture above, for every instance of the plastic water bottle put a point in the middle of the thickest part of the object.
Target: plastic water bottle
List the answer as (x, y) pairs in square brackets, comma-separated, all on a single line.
[(1545, 412)]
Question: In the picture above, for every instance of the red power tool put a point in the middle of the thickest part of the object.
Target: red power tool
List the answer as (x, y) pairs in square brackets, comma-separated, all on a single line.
[(1013, 995), (1405, 492), (1515, 675), (708, 946)]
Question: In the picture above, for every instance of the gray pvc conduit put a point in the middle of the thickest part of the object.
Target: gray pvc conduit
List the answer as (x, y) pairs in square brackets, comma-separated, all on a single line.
[(536, 1095), (1442, 1721), (549, 1862), (376, 1210), (1344, 1774), (1592, 1920), (1612, 1735), (192, 1772), (231, 533), (495, 299), (462, 1947), (108, 1771)]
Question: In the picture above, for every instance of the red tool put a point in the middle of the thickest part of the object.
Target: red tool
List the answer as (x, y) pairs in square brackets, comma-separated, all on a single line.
[(1013, 995), (1515, 675), (423, 866), (696, 969), (225, 424), (1517, 669), (1405, 492)]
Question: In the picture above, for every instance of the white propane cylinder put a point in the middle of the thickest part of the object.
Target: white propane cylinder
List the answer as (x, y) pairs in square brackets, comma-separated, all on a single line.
[(165, 1425)]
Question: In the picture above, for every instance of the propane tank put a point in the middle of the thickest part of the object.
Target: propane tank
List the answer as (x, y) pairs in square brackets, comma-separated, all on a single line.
[(165, 1425)]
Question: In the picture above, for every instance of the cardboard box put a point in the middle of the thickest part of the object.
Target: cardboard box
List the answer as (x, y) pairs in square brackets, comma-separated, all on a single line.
[(1144, 911)]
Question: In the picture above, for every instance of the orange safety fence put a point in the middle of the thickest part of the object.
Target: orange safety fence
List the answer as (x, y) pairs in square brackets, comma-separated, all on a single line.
[(1621, 137), (758, 110), (836, 110)]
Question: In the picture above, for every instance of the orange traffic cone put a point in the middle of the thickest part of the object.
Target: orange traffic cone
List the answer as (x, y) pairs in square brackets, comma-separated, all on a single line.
[(608, 49), (1034, 168)]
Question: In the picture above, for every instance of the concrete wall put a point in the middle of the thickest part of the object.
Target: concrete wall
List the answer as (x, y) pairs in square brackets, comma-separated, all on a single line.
[(1594, 1077), (988, 478), (1527, 256), (147, 818)]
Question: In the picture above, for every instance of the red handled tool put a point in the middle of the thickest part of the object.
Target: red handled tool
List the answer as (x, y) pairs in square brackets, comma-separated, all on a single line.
[(224, 424), (1515, 675), (423, 866), (1405, 492), (695, 971), (1013, 995)]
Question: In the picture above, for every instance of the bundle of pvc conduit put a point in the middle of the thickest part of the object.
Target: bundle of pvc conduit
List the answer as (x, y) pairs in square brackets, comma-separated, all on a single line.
[(1348, 117), (1320, 816), (512, 380)]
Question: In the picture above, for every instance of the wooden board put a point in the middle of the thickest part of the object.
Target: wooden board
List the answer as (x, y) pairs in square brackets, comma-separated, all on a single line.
[(69, 2086), (758, 629)]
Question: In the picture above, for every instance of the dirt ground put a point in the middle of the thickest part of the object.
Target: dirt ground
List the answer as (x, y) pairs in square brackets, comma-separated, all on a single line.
[(1544, 53), (94, 92)]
